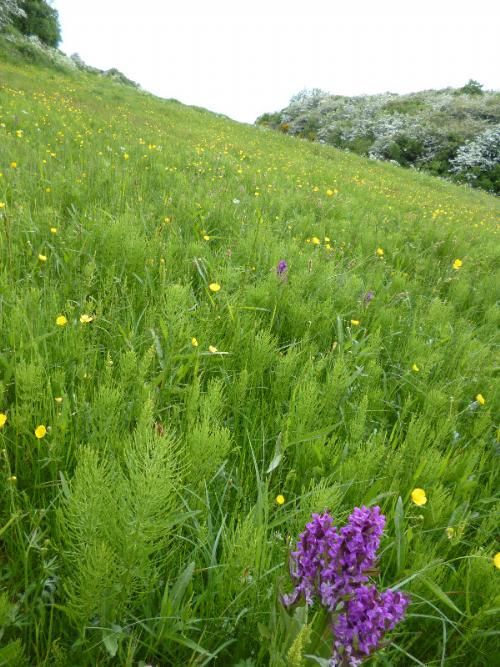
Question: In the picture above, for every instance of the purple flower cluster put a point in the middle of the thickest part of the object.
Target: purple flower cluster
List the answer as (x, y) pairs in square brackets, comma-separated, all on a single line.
[(368, 615), (282, 268), (369, 296), (332, 566), (310, 564)]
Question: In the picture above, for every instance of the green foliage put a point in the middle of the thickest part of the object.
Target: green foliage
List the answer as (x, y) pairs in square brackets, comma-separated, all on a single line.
[(208, 442), (410, 105), (11, 652), (269, 120), (472, 87), (40, 19), (116, 519), (143, 527), (404, 150), (295, 655), (359, 145)]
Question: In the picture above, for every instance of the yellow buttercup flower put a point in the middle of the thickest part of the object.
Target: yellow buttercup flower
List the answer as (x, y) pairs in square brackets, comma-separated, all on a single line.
[(280, 500), (418, 497), (86, 319), (480, 399), (457, 264), (13, 165), (415, 368), (53, 230), (206, 237), (315, 240), (496, 560), (194, 342), (61, 321), (3, 419), (2, 204), (355, 323), (380, 252), (42, 258), (40, 431), (329, 193), (212, 349), (214, 287), (58, 399)]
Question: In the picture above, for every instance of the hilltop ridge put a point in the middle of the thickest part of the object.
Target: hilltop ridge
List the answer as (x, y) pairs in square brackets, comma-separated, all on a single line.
[(18, 48)]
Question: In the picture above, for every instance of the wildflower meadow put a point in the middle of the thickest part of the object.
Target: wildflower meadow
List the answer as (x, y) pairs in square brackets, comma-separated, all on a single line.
[(247, 393)]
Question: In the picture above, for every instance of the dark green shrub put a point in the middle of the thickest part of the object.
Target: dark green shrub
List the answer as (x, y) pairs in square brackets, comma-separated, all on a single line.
[(41, 20), (360, 145), (410, 105), (269, 120), (486, 180), (472, 88), (405, 150), (309, 127)]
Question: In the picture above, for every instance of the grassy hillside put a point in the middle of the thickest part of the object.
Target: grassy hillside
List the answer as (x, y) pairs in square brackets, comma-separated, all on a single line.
[(150, 422), (454, 133)]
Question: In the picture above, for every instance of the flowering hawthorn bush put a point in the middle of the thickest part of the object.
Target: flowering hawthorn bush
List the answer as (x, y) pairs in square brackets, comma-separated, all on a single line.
[(448, 132), (332, 567)]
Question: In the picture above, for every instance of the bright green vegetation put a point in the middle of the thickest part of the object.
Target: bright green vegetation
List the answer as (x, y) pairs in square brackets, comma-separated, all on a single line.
[(142, 528)]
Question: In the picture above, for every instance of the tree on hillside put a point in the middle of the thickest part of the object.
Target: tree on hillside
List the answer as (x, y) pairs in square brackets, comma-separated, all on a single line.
[(472, 87), (40, 19), (9, 9)]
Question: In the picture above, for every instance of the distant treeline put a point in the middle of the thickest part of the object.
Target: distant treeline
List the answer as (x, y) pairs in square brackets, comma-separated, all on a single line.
[(454, 133)]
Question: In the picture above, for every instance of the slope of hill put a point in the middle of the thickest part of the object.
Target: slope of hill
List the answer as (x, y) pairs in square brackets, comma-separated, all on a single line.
[(209, 332), (453, 133)]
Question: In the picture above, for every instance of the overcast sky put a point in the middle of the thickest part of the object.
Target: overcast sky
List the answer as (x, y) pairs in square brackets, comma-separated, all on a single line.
[(242, 58)]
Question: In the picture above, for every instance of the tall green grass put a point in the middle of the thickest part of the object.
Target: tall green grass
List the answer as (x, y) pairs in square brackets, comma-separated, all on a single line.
[(143, 527)]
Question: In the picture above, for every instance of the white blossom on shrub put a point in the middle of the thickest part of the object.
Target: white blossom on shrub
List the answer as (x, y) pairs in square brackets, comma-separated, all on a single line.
[(9, 9), (55, 56), (443, 131), (480, 155)]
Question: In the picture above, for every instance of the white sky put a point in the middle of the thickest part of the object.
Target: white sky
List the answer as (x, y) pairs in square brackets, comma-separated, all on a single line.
[(245, 57)]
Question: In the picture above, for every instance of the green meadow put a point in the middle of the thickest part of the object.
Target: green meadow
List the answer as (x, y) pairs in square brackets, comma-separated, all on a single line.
[(173, 408)]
